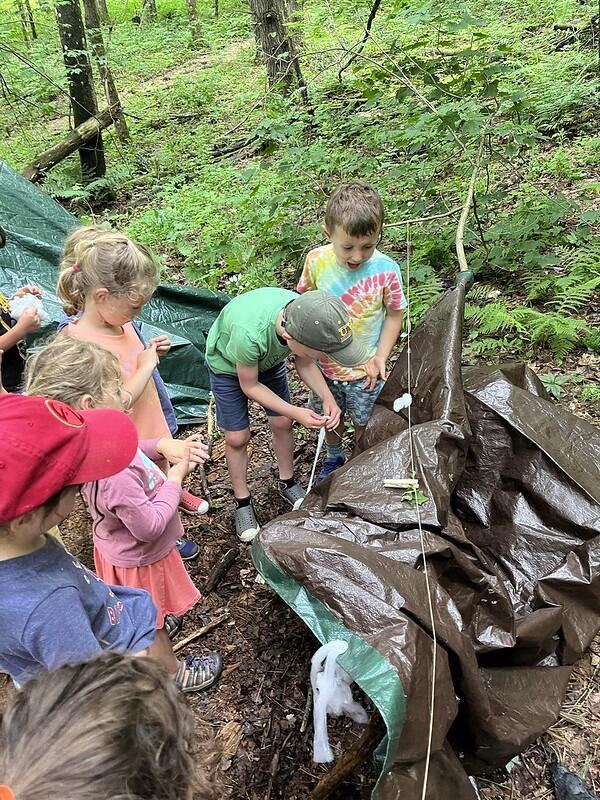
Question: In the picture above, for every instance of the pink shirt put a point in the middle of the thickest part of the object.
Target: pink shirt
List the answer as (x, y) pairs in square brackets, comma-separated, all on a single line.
[(147, 414), (134, 513)]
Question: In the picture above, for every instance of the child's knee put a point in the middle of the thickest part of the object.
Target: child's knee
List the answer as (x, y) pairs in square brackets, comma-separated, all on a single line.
[(238, 440), (280, 424)]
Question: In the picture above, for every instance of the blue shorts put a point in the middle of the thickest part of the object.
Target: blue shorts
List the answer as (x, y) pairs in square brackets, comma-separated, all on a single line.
[(351, 397), (231, 402)]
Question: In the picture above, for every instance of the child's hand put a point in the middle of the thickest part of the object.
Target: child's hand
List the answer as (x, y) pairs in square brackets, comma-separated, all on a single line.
[(29, 321), (182, 469), (148, 358), (309, 419), (331, 410), (163, 345), (174, 449), (2, 389), (29, 289), (375, 369)]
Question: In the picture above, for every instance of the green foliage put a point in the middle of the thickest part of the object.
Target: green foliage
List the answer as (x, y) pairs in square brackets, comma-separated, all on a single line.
[(590, 393), (553, 384), (414, 496)]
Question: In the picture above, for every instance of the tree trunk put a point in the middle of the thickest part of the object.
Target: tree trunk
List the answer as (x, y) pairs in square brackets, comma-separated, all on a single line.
[(81, 85), (88, 130), (103, 12), (92, 23), (150, 7), (31, 20), (193, 18), (24, 27), (276, 45)]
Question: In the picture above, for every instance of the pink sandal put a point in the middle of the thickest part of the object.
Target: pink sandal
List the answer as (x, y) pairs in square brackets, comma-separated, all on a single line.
[(192, 505)]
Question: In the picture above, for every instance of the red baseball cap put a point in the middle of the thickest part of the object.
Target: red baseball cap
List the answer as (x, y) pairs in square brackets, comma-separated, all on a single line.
[(46, 445)]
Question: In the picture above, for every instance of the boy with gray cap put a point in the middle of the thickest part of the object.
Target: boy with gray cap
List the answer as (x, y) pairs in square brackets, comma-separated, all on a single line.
[(246, 350)]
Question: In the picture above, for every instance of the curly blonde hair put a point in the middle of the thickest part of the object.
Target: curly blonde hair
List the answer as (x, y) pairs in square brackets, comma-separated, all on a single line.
[(95, 258), (67, 369)]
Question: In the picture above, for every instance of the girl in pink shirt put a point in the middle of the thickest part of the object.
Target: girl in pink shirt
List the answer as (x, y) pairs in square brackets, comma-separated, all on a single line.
[(107, 279), (136, 524)]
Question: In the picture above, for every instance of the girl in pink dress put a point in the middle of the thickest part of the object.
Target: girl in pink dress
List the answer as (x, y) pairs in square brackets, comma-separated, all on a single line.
[(106, 279), (134, 513)]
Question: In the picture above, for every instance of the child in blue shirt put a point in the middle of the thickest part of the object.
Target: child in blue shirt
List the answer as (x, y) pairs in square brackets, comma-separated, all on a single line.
[(54, 611)]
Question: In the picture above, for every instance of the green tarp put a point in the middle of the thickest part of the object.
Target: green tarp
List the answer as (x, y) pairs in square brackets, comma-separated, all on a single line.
[(36, 227)]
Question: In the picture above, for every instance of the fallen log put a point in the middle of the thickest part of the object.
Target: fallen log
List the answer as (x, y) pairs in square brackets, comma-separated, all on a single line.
[(39, 167), (351, 760)]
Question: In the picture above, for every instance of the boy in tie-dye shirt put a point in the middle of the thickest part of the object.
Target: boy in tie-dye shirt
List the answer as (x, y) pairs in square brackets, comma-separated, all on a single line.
[(370, 285)]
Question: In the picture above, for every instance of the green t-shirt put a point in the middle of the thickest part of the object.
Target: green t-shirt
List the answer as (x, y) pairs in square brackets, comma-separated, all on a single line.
[(244, 332)]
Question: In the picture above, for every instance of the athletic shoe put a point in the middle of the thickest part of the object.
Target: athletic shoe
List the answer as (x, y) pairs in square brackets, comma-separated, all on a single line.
[(329, 465), (246, 524), (188, 549)]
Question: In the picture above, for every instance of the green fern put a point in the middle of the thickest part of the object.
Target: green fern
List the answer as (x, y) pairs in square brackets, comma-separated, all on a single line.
[(493, 318), (572, 295), (561, 334)]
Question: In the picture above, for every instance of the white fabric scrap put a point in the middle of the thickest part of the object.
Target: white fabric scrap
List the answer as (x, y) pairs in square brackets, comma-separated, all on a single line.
[(402, 402)]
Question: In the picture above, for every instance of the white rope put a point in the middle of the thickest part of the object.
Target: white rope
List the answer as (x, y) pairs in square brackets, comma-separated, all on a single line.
[(421, 536)]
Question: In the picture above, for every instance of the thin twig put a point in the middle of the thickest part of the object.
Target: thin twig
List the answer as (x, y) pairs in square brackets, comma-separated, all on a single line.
[(200, 632), (454, 210), (210, 424)]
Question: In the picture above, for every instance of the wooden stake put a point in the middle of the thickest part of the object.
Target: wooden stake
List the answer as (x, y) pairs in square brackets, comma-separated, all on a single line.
[(351, 759), (210, 424)]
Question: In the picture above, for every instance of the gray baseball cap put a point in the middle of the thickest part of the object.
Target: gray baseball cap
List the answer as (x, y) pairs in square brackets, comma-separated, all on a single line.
[(320, 320)]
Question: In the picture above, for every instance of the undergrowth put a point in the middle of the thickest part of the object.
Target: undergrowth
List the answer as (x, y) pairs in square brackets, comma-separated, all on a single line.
[(409, 115)]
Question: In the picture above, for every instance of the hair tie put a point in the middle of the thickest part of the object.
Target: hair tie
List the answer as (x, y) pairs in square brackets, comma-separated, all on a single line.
[(75, 269), (6, 792)]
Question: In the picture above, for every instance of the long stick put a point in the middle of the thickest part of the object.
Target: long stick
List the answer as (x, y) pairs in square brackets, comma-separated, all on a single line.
[(460, 229)]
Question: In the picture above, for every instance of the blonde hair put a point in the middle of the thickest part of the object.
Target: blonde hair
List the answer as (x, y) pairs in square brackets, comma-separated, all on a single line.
[(67, 369), (356, 208), (95, 258), (115, 728)]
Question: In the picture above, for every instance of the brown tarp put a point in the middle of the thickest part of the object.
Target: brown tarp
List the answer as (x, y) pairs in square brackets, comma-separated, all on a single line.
[(512, 537)]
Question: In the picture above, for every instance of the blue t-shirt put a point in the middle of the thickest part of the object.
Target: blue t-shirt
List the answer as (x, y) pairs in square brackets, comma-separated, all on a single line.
[(54, 611)]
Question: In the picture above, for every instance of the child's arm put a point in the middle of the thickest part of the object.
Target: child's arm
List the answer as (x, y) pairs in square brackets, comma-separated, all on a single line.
[(145, 519), (174, 449), (313, 378), (375, 367), (29, 322), (147, 361), (252, 388)]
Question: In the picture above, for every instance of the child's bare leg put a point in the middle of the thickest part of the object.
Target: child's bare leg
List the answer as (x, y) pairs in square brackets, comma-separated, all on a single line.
[(283, 445), (236, 453), (162, 651)]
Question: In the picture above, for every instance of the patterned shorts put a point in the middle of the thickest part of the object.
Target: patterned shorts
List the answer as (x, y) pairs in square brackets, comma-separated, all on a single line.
[(351, 397)]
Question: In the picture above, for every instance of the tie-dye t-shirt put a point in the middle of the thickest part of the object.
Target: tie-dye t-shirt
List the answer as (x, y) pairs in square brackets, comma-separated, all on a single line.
[(367, 292)]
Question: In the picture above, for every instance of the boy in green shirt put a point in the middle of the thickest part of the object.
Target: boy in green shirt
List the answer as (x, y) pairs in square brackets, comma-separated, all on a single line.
[(245, 352)]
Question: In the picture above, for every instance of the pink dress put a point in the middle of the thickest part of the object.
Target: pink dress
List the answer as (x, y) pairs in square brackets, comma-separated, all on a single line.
[(147, 414), (136, 525)]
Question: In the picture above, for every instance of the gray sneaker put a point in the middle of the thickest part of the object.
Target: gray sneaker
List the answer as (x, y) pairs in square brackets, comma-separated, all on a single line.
[(246, 524), (293, 494)]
